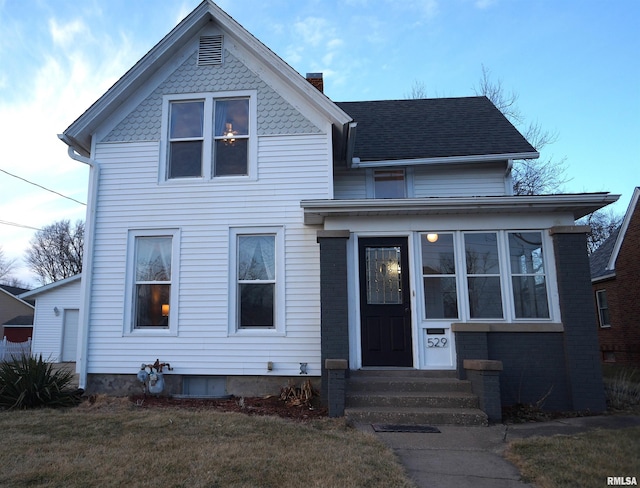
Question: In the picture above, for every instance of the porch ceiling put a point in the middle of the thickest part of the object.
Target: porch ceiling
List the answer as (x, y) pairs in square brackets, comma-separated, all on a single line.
[(580, 204)]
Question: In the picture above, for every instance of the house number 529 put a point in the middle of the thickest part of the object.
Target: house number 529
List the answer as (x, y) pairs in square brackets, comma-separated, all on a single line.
[(437, 342)]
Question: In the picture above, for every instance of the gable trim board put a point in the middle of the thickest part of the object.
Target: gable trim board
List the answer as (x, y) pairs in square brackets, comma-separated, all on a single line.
[(611, 266), (79, 134)]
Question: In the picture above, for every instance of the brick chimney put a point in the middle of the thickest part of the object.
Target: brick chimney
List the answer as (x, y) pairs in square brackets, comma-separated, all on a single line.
[(316, 80)]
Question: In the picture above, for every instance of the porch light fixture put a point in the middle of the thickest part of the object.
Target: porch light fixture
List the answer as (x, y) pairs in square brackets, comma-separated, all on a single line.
[(432, 237), (56, 311), (165, 309), (229, 134)]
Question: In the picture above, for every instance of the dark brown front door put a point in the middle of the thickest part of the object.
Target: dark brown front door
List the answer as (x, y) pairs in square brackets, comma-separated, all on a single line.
[(385, 302)]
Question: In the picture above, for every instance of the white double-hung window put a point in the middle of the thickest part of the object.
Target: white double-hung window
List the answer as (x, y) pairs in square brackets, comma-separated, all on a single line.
[(208, 136), (152, 281), (257, 289)]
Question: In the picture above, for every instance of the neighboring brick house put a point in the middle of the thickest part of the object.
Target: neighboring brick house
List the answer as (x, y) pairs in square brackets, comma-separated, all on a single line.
[(615, 277)]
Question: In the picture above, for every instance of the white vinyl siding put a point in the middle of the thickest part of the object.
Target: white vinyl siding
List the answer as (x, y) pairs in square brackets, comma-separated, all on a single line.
[(290, 169), (48, 330), (429, 181)]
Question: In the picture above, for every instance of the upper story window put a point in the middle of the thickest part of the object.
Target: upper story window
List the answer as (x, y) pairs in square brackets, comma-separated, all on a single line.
[(231, 137), (389, 183), (603, 308), (186, 139), (209, 136)]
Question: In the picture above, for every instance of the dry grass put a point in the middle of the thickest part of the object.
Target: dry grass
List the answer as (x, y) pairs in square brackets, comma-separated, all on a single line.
[(113, 443), (584, 460)]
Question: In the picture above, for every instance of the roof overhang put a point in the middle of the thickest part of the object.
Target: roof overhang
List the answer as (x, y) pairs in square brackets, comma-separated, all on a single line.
[(80, 132), (484, 158), (50, 286), (579, 205)]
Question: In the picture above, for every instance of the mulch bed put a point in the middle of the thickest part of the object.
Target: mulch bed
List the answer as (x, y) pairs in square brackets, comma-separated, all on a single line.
[(270, 405)]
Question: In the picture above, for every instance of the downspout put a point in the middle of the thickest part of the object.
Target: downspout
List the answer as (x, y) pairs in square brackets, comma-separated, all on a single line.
[(87, 260)]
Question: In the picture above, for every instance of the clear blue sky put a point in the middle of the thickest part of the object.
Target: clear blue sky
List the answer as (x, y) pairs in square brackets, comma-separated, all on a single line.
[(574, 64)]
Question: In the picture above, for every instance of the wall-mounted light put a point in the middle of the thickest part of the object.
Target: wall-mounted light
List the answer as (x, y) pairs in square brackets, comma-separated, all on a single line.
[(165, 309), (303, 368), (432, 237), (56, 311)]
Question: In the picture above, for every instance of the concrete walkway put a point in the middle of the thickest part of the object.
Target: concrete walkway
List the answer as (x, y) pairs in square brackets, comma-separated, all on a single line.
[(472, 456)]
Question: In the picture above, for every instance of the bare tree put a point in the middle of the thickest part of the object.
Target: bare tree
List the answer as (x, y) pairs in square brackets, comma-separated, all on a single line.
[(530, 176), (603, 223), (6, 267), (418, 90), (55, 251)]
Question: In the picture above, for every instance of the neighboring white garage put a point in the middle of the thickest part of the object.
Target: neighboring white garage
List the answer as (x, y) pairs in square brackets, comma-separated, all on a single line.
[(55, 323)]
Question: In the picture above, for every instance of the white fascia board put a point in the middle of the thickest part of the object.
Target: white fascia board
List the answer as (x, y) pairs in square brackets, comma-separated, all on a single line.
[(579, 205), (81, 129), (484, 158), (611, 265), (50, 286)]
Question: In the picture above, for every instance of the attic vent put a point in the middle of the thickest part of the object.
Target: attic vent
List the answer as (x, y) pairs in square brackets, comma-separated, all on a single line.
[(210, 51)]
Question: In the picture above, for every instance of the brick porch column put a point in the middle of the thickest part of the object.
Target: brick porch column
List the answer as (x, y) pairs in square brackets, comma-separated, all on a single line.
[(583, 368), (334, 306)]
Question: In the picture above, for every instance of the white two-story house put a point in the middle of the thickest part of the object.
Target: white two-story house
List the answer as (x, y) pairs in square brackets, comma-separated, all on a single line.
[(244, 228)]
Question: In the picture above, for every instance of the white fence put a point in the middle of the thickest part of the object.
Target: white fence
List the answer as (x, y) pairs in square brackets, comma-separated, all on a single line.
[(9, 350)]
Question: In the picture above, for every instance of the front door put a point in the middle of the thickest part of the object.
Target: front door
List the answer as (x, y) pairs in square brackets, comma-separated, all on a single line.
[(385, 302)]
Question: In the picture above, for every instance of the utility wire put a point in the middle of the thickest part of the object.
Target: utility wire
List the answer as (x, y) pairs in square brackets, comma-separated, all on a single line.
[(44, 188), (18, 225)]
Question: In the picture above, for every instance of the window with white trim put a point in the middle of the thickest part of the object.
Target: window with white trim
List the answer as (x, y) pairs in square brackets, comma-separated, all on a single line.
[(439, 276), (257, 301), (603, 308), (209, 136), (483, 275), (468, 275), (528, 279), (152, 288), (389, 183)]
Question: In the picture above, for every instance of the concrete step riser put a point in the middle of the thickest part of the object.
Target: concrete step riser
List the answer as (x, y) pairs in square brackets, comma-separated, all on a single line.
[(418, 418), (412, 401), (391, 373), (406, 385)]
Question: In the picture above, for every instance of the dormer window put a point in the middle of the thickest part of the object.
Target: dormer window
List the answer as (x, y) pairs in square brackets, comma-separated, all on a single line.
[(389, 183)]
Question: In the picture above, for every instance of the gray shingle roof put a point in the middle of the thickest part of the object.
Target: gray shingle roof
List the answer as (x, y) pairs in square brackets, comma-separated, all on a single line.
[(600, 257), (432, 128), (20, 320)]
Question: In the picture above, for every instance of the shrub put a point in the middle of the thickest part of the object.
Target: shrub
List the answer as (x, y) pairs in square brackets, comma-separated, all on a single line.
[(29, 382), (623, 390)]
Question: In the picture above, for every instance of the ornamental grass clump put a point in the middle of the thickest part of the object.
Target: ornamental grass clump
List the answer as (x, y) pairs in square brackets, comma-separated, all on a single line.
[(29, 382)]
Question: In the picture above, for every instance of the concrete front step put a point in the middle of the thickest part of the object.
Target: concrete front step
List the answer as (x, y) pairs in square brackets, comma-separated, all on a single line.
[(454, 399), (404, 396), (407, 383), (417, 416)]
